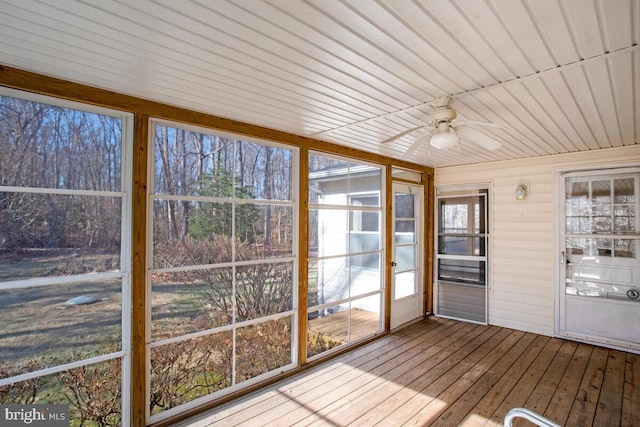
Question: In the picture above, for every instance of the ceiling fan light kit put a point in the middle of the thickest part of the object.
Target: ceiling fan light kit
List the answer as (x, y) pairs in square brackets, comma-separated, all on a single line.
[(444, 140)]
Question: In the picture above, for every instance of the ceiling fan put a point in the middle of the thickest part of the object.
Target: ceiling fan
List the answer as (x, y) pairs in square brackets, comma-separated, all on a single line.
[(446, 129)]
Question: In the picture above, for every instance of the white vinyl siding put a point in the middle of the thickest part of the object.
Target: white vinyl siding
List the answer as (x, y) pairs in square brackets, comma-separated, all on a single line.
[(523, 269)]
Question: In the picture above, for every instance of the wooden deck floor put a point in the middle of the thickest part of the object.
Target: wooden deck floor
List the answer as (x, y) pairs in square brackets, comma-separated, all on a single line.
[(445, 373)]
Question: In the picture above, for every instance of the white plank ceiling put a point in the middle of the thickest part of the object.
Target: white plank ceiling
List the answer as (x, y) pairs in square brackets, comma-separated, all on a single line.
[(562, 75)]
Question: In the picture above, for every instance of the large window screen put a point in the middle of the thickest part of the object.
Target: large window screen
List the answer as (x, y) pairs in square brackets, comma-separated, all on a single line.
[(345, 252), (64, 259), (223, 271)]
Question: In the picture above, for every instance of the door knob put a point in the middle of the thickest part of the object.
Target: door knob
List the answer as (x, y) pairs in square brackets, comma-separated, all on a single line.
[(393, 264)]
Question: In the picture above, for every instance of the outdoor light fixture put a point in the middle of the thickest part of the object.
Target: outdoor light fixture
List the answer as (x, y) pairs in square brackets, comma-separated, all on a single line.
[(444, 137), (522, 190)]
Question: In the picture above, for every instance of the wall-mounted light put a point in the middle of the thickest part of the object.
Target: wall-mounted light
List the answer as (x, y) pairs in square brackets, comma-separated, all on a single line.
[(522, 190)]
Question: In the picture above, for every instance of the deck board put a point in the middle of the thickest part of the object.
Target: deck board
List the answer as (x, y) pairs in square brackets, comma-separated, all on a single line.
[(609, 408), (566, 391), (586, 400), (631, 405), (442, 372)]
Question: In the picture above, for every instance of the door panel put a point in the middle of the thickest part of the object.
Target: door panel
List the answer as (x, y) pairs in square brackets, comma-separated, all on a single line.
[(406, 281), (599, 287)]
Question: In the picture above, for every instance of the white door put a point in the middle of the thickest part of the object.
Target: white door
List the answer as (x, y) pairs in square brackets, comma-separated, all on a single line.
[(408, 260), (599, 281)]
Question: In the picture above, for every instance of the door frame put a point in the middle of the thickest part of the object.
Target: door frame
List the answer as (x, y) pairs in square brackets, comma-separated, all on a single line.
[(414, 302)]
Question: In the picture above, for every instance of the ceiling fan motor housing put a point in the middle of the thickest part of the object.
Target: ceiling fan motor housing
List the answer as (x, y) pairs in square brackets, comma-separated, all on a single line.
[(442, 114)]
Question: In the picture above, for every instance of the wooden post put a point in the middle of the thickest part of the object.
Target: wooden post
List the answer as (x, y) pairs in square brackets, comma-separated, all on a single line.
[(303, 255), (139, 271), (388, 245), (429, 197)]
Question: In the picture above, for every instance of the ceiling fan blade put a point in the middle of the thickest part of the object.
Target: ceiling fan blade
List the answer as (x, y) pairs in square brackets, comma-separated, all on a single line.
[(479, 138), (401, 134), (415, 145)]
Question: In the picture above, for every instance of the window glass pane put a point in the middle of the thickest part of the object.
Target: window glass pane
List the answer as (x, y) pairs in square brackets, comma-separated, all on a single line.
[(364, 242), (263, 289), (601, 210), (601, 191), (602, 224), (48, 235), (577, 200), (262, 348), (326, 329), (364, 221), (462, 271), (93, 392), (190, 301), (365, 316), (453, 218), (625, 248), (331, 231), (46, 146), (624, 190), (59, 324), (192, 163), (312, 282), (575, 225), (365, 200), (327, 183), (581, 246), (331, 277), (263, 172), (364, 178), (202, 222), (263, 231), (338, 182), (405, 284), (186, 370), (625, 219), (577, 190), (405, 206), (367, 261), (313, 233), (405, 230), (454, 245), (405, 257), (202, 238), (365, 274)]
